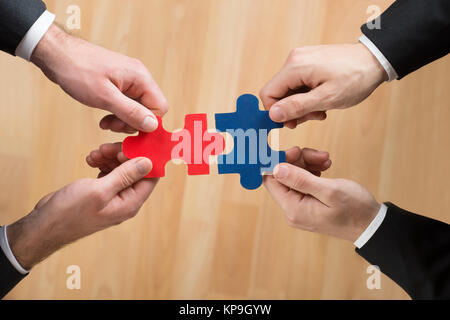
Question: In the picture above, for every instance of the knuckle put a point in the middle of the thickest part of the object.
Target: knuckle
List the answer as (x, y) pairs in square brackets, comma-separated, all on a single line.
[(141, 69), (133, 212), (98, 195), (334, 192), (116, 222), (297, 106), (125, 179), (295, 53), (137, 63), (341, 185), (299, 182), (132, 111), (106, 95), (134, 208), (164, 107), (331, 96), (88, 182), (296, 219), (291, 220), (263, 93)]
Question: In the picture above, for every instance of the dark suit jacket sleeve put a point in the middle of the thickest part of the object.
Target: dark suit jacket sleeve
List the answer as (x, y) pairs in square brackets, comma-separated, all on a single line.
[(9, 276), (16, 18), (413, 33), (414, 251)]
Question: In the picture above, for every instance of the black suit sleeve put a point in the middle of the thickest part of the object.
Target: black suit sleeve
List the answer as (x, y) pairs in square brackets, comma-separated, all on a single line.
[(16, 18), (414, 251), (9, 276), (413, 33)]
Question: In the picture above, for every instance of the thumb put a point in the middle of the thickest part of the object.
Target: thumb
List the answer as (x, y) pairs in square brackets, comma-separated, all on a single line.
[(304, 182), (126, 175), (299, 105), (132, 112)]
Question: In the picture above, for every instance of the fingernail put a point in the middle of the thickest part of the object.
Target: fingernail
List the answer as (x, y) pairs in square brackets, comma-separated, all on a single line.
[(149, 124), (277, 114), (144, 166), (281, 171)]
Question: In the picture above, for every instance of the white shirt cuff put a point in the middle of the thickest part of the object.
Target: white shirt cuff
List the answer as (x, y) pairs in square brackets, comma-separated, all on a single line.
[(4, 244), (380, 57), (34, 35), (372, 228)]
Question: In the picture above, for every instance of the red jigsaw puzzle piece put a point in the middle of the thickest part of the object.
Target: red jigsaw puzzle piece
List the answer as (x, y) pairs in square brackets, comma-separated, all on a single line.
[(193, 144)]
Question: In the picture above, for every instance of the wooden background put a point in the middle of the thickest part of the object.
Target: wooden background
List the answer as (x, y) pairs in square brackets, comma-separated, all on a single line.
[(205, 237)]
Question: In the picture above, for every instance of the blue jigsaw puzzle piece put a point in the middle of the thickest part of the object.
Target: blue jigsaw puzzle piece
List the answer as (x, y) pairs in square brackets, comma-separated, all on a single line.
[(251, 155)]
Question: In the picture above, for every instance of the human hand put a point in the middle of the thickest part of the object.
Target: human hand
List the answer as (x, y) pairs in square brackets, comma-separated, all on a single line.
[(336, 207), (80, 209), (102, 79), (319, 78), (106, 158)]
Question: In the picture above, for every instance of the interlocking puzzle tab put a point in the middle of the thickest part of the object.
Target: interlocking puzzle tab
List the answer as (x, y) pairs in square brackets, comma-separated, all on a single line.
[(193, 144), (251, 155)]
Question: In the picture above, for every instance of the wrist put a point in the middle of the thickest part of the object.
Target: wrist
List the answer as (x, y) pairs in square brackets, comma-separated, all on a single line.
[(24, 240), (50, 50), (364, 219), (372, 66)]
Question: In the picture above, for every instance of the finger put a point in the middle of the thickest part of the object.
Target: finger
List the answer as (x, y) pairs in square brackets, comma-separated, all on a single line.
[(103, 164), (95, 159), (111, 122), (291, 124), (126, 175), (91, 162), (152, 96), (309, 159), (121, 157), (318, 115), (104, 169), (140, 191), (145, 90), (128, 202), (108, 155), (111, 150), (283, 195), (312, 160), (112, 164), (101, 174), (314, 157), (316, 173), (132, 112), (315, 169), (278, 190), (299, 105), (303, 181), (280, 86), (293, 154)]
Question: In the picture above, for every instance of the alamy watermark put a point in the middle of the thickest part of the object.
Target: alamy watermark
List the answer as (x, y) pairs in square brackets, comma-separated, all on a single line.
[(73, 281), (374, 20), (250, 146), (374, 280), (73, 22)]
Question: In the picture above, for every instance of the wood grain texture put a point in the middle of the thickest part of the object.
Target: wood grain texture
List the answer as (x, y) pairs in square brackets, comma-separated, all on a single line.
[(205, 237)]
